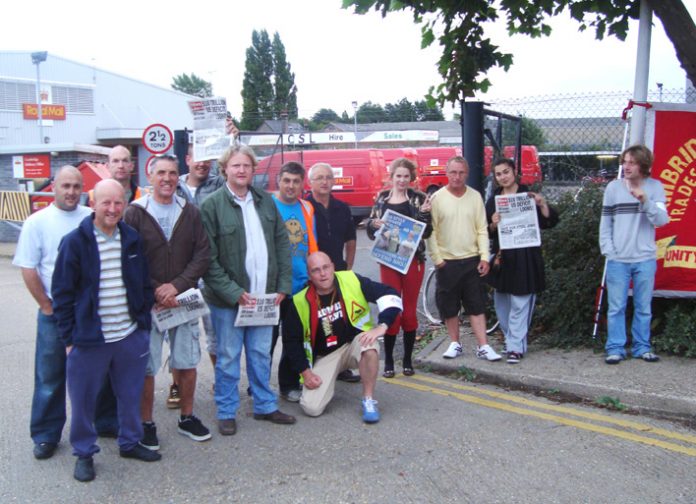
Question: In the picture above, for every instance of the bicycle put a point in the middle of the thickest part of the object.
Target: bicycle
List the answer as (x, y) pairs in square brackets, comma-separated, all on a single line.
[(430, 307)]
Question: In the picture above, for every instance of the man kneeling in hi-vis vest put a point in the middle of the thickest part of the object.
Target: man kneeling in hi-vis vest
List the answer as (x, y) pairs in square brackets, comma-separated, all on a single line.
[(328, 329)]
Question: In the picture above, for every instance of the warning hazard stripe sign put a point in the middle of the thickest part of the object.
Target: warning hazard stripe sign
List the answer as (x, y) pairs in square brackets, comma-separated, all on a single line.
[(14, 206)]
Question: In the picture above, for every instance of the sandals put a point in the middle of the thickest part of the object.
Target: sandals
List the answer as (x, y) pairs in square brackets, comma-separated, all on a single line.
[(409, 371), (388, 373)]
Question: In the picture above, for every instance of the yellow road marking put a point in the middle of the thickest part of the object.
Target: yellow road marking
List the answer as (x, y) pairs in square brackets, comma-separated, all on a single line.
[(609, 431), (629, 424)]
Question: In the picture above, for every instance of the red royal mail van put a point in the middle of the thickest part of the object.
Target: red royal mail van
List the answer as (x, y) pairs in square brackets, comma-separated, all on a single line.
[(432, 162), (359, 174)]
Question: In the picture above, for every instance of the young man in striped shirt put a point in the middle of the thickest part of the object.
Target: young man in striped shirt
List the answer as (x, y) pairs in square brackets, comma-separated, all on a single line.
[(102, 297)]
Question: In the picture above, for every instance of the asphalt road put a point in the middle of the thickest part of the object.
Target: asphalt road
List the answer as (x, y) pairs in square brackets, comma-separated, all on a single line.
[(440, 440)]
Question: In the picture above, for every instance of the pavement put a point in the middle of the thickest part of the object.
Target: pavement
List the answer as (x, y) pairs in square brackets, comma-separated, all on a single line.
[(665, 389)]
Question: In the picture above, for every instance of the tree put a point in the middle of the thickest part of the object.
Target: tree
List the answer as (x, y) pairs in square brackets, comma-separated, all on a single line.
[(324, 116), (467, 54), (268, 90), (401, 111), (532, 134), (285, 99), (371, 113), (192, 84), (427, 112), (257, 88)]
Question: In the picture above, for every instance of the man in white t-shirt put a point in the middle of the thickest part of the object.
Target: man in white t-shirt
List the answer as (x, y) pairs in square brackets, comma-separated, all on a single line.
[(36, 254)]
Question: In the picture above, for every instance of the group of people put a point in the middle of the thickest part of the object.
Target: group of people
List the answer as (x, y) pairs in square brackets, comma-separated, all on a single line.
[(97, 275)]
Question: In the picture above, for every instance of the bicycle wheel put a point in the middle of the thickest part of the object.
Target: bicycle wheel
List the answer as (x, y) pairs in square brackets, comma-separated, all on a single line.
[(428, 298), (492, 322)]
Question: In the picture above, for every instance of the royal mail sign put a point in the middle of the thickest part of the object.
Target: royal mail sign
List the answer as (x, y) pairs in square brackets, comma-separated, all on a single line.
[(48, 111)]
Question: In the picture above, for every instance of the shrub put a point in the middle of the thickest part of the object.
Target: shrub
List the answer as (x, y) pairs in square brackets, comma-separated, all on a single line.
[(675, 326), (574, 267)]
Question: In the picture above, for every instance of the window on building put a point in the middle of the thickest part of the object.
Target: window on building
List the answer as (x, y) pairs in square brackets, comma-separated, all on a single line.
[(14, 94), (76, 100)]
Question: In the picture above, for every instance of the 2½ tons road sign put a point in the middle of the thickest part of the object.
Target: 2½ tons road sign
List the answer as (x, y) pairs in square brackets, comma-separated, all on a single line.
[(157, 138)]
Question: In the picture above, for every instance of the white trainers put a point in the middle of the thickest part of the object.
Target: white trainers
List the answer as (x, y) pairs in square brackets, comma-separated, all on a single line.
[(486, 352), (454, 350)]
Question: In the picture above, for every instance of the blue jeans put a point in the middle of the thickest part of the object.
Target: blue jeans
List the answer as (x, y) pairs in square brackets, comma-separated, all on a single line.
[(619, 276), (48, 404), (257, 347)]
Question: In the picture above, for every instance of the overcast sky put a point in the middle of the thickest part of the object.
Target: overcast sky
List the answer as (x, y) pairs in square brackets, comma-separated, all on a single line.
[(337, 56)]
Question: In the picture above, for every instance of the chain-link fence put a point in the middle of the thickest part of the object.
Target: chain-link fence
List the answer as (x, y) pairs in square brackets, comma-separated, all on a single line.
[(578, 135)]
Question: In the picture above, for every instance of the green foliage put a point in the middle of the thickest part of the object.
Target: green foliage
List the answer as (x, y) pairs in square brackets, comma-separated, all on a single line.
[(468, 54), (678, 335), (192, 84), (268, 89), (466, 373), (532, 134), (323, 117), (574, 266), (401, 111), (285, 99), (612, 403), (369, 112)]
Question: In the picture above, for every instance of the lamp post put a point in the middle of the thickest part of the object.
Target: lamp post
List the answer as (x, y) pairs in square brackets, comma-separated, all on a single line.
[(37, 58), (355, 122)]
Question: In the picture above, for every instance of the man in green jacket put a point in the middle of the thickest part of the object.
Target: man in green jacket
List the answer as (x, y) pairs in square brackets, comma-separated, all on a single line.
[(249, 256)]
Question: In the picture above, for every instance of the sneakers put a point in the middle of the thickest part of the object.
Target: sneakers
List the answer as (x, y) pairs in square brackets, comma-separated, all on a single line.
[(84, 469), (613, 359), (649, 357), (293, 395), (174, 400), (192, 427), (370, 412), (513, 357), (149, 439), (139, 452), (487, 353), (454, 350)]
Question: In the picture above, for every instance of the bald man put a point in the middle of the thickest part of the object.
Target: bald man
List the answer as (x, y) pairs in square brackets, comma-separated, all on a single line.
[(120, 166), (36, 254), (328, 330), (102, 297)]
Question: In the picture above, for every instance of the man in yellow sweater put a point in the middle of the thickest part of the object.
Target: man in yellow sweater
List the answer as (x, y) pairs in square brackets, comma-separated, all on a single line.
[(459, 250)]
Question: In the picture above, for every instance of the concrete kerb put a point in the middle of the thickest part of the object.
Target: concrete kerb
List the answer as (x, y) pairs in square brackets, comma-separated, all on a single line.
[(654, 403)]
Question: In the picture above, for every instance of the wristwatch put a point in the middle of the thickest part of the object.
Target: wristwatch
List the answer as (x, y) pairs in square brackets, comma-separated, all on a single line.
[(383, 324)]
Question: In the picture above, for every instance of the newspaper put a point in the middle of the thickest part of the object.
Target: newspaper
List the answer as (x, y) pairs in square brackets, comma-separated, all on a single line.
[(263, 311), (210, 138), (397, 240), (191, 306), (519, 224)]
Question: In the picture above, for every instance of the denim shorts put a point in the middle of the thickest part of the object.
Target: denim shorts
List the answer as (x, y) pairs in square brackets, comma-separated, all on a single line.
[(184, 347)]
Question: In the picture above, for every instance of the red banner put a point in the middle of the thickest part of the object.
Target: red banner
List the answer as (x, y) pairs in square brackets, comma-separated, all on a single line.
[(674, 147)]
